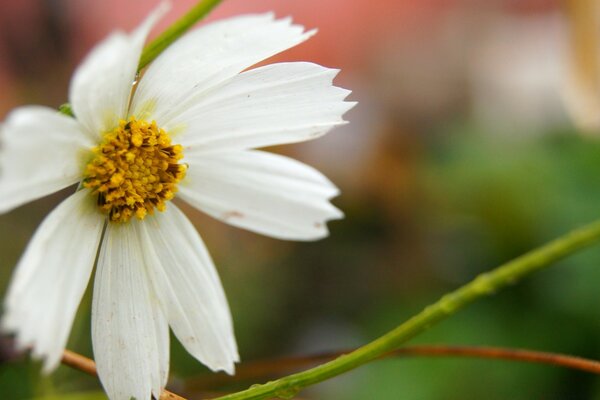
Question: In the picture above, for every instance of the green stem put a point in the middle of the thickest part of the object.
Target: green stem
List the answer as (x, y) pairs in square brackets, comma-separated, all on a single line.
[(165, 39), (172, 33), (483, 285), (66, 109)]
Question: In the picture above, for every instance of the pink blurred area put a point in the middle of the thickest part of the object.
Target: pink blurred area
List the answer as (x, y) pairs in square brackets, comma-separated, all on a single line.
[(372, 42), (42, 42), (411, 65), (347, 30)]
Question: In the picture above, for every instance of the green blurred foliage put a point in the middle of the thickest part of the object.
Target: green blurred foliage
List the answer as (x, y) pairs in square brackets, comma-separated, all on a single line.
[(489, 199), (476, 201)]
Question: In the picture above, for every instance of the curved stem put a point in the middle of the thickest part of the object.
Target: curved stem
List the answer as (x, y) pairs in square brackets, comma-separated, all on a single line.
[(174, 32), (499, 353), (264, 368), (483, 285), (165, 39)]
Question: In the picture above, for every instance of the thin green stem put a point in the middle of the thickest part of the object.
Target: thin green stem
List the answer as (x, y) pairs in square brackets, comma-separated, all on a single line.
[(172, 33), (165, 39), (66, 110), (483, 285)]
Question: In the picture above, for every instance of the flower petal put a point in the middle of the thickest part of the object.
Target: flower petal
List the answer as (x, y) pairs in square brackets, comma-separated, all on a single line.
[(189, 289), (51, 277), (42, 152), (275, 104), (101, 85), (129, 331), (207, 57), (163, 346), (262, 192)]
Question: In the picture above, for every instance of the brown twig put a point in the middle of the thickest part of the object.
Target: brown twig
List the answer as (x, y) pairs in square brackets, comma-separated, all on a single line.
[(84, 364), (531, 356), (262, 368), (265, 368)]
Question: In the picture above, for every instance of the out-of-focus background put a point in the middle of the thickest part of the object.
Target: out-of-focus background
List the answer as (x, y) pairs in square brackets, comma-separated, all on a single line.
[(476, 138)]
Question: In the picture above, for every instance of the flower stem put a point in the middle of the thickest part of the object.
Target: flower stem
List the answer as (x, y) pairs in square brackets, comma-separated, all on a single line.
[(66, 109), (172, 33), (165, 39), (484, 285)]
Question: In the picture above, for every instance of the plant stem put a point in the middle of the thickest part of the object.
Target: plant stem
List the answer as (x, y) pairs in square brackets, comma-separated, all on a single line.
[(483, 285), (272, 367), (172, 33), (165, 39), (66, 110)]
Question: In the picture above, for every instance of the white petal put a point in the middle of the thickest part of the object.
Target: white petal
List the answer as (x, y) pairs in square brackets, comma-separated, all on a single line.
[(129, 331), (189, 289), (101, 85), (262, 192), (41, 152), (51, 278), (275, 104), (207, 57), (163, 347)]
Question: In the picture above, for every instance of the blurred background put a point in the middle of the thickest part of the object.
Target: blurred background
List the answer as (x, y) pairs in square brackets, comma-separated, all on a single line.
[(475, 140)]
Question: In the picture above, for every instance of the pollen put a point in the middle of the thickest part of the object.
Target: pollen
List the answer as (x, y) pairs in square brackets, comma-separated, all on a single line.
[(134, 171)]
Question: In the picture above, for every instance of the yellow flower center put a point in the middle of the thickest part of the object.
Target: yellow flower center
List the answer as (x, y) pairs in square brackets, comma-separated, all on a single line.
[(134, 170)]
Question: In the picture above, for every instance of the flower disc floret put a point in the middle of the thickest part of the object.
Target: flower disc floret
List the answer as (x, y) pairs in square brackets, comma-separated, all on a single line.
[(134, 170)]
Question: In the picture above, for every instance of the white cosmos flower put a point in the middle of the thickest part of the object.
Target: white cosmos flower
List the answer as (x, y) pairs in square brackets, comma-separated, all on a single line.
[(155, 272)]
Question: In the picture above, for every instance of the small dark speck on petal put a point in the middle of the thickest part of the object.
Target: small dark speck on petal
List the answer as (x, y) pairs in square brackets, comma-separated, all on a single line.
[(232, 214)]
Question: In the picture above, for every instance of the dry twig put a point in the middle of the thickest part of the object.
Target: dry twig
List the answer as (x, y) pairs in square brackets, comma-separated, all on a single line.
[(267, 368), (263, 368), (88, 366)]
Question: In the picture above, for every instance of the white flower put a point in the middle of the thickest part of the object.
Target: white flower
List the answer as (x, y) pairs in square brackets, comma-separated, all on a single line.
[(153, 271)]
